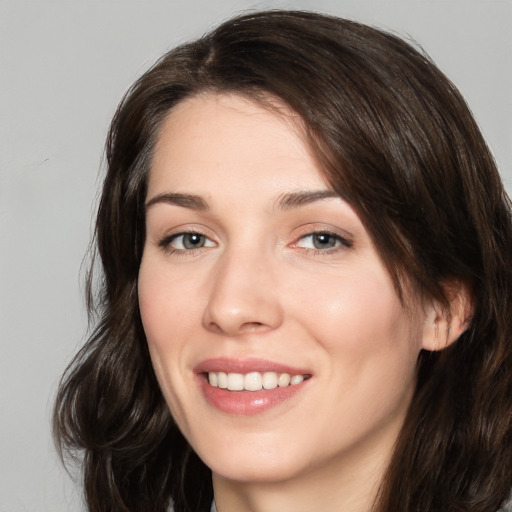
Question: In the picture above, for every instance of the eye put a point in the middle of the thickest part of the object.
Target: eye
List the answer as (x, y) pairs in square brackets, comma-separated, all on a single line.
[(323, 241), (186, 242)]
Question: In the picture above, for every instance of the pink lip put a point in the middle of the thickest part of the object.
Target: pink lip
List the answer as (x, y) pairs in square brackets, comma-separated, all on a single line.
[(246, 365), (246, 403)]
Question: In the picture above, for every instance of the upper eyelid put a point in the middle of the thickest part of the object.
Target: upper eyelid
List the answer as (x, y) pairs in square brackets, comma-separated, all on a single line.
[(331, 230), (172, 236), (184, 229), (165, 244), (300, 232), (345, 242)]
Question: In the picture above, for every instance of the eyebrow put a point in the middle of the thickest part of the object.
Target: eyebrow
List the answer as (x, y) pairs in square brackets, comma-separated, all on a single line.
[(302, 198), (184, 200), (284, 201)]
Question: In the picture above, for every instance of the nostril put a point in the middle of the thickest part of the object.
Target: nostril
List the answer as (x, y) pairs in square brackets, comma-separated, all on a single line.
[(215, 328), (252, 326)]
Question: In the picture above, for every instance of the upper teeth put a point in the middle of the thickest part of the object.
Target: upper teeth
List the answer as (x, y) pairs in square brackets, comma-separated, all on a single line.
[(253, 381)]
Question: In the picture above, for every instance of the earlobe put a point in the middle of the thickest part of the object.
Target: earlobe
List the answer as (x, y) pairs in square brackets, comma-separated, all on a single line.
[(444, 324)]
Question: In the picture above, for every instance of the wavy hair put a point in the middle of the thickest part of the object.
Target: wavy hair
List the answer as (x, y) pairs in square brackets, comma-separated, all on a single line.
[(396, 138)]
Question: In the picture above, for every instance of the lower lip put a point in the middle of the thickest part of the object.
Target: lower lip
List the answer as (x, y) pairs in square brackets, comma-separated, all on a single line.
[(247, 403)]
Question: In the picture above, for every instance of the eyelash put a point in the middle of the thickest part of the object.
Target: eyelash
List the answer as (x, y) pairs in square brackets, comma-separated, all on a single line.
[(166, 242), (341, 243)]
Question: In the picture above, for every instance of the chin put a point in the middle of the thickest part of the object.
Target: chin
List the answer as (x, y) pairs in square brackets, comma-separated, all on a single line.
[(273, 472), (271, 467)]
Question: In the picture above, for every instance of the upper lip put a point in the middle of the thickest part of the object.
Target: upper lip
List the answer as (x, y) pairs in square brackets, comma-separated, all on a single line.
[(234, 365)]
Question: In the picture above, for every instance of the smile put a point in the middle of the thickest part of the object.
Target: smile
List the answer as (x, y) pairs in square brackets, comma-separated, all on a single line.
[(253, 381), (246, 387)]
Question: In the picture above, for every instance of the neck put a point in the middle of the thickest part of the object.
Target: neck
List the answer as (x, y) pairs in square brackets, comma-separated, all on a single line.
[(352, 487)]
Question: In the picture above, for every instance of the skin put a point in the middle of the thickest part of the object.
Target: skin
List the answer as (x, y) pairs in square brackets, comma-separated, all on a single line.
[(260, 285)]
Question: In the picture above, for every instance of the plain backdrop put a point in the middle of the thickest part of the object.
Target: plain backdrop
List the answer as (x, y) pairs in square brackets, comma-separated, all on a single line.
[(63, 68)]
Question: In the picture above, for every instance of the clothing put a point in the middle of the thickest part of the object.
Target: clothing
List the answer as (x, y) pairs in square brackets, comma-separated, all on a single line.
[(506, 507)]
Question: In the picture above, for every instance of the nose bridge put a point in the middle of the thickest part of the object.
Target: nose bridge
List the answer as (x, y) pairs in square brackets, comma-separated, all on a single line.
[(242, 298)]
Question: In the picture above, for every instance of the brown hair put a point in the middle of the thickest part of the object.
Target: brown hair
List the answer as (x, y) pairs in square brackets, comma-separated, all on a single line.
[(396, 138)]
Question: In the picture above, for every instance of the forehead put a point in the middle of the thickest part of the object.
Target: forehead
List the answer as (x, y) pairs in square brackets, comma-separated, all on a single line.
[(209, 138)]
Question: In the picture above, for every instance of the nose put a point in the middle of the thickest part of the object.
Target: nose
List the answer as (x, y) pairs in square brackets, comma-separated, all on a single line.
[(243, 297)]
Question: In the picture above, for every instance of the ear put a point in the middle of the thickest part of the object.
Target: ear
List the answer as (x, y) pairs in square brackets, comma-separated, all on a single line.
[(443, 325)]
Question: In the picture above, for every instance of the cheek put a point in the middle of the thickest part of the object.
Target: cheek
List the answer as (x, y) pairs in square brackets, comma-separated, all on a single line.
[(361, 324), (165, 307), (164, 321), (370, 345), (152, 298), (160, 319)]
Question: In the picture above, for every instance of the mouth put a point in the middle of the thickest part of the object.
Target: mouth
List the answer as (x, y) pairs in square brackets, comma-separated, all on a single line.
[(253, 381), (249, 387)]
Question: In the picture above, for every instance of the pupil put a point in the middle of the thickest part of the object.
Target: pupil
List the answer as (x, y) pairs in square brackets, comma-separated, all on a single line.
[(193, 240), (323, 241)]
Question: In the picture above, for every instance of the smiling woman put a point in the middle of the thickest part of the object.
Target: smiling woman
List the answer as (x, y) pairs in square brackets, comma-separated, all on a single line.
[(274, 289), (307, 285)]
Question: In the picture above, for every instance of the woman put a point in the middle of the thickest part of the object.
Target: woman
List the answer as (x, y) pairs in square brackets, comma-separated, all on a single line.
[(306, 289)]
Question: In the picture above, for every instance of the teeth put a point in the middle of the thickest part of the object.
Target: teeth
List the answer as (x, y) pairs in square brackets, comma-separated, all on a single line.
[(213, 379), (222, 380), (296, 379), (235, 381), (253, 381), (284, 380), (269, 380)]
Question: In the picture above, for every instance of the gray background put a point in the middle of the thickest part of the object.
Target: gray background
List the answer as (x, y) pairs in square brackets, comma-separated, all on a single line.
[(63, 67)]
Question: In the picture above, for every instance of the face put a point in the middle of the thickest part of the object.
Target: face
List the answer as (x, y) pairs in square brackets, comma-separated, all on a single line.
[(274, 328)]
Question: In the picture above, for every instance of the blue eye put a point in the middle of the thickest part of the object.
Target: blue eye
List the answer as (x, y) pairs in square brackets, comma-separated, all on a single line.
[(186, 242), (323, 241)]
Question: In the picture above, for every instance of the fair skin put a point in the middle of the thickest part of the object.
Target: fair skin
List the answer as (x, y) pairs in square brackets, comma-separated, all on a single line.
[(253, 265)]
